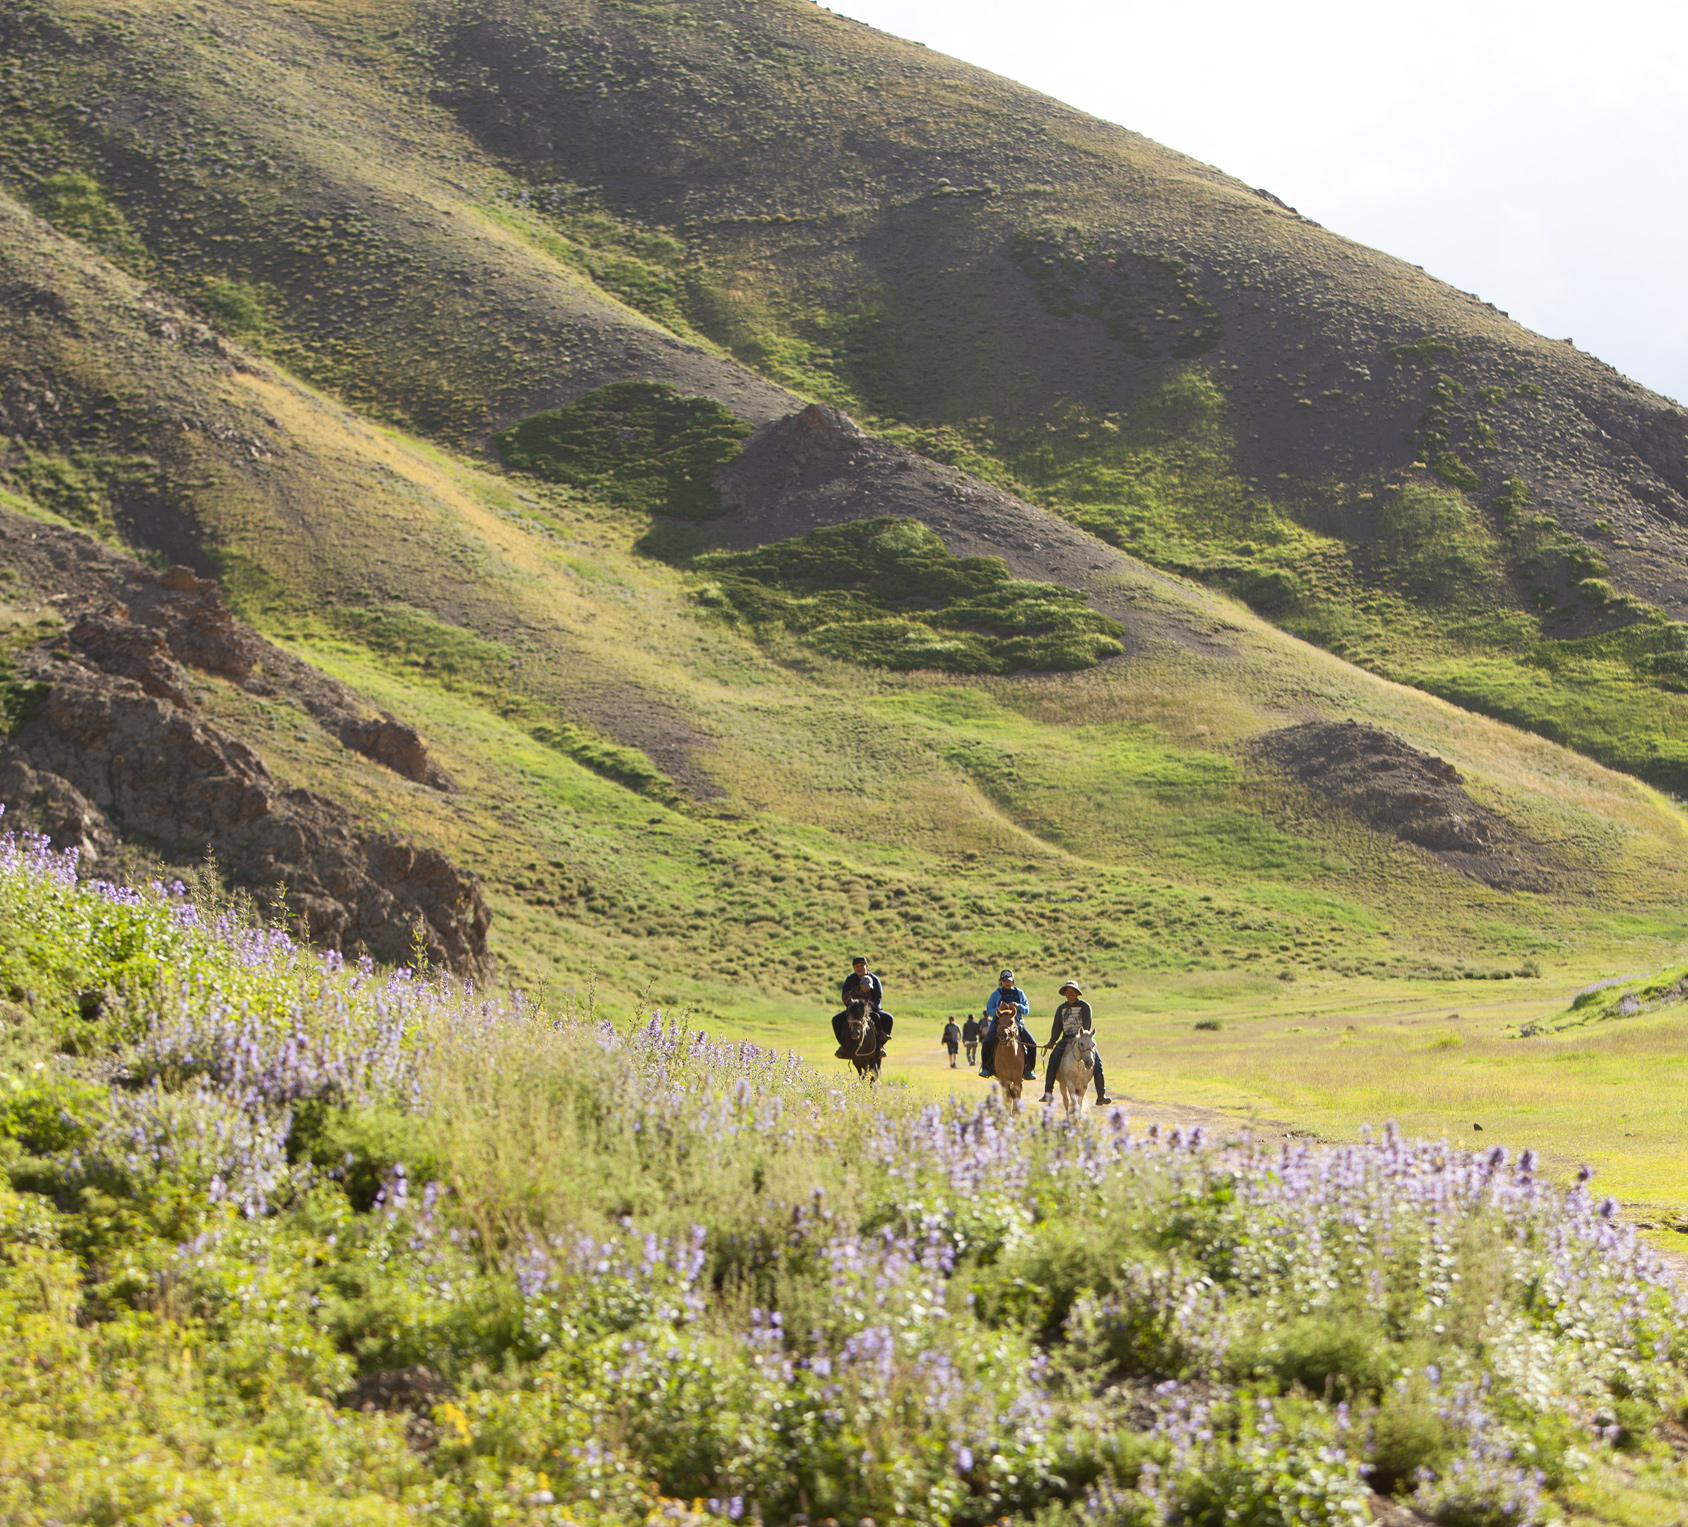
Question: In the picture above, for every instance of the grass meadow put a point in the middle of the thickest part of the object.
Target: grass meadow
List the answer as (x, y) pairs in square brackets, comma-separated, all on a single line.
[(290, 1240), (1345, 1057)]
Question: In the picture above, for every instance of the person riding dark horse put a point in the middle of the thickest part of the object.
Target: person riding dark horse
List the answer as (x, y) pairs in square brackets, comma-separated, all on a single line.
[(1009, 1003), (862, 983), (1073, 1013)]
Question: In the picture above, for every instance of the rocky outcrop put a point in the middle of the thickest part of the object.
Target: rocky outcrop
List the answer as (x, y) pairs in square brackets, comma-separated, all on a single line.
[(107, 753), (152, 626), (188, 612), (1415, 796), (110, 745)]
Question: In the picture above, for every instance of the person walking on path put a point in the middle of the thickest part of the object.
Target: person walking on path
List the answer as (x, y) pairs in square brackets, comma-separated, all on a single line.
[(952, 1039), (970, 1038), (1008, 1004), (1074, 1007)]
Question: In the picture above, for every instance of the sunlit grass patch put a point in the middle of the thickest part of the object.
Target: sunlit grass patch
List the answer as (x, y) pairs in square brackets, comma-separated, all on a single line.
[(886, 593)]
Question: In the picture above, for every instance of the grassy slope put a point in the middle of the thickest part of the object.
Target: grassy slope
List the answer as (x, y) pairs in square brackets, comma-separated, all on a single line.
[(643, 1268), (430, 213), (1019, 285)]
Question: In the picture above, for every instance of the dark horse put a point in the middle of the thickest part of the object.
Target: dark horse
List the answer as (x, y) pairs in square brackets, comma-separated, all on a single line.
[(862, 1038)]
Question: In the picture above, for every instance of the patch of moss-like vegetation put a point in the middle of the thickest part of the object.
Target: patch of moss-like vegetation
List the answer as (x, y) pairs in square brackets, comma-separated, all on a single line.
[(887, 594), (1149, 304), (640, 444), (1434, 546), (77, 205), (86, 487), (1424, 352)]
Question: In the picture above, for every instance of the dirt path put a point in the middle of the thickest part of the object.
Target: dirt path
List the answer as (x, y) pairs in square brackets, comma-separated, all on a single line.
[(1218, 1126)]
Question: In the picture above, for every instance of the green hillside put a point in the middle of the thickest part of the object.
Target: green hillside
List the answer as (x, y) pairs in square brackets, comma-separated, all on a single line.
[(735, 490), (308, 260), (455, 216)]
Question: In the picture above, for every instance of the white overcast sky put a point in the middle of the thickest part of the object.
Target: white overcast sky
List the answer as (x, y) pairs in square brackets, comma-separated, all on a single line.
[(1532, 151)]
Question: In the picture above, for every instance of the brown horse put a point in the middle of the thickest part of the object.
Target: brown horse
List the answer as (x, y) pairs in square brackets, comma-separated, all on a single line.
[(862, 1038), (1008, 1062)]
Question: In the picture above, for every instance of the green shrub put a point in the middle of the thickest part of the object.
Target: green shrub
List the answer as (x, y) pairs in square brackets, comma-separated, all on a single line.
[(446, 653), (1407, 1435), (887, 594), (1435, 545), (360, 1148), (1583, 561), (1424, 352), (238, 307), (88, 488), (626, 766), (1452, 470), (47, 1111), (1331, 1355), (77, 205), (640, 444)]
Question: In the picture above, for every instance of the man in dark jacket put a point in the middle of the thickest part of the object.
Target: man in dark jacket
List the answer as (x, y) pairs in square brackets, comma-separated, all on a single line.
[(952, 1039), (1073, 1006), (861, 982), (970, 1038)]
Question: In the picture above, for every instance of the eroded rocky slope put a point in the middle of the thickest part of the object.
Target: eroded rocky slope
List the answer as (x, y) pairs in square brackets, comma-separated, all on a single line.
[(108, 744)]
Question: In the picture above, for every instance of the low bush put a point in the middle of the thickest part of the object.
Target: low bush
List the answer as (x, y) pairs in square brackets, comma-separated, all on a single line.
[(887, 593), (641, 445)]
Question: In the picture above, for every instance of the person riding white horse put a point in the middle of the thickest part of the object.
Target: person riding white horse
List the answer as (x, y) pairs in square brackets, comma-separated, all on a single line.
[(1072, 1017)]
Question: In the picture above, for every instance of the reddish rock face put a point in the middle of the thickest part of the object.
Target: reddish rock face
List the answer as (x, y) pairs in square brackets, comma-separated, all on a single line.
[(116, 748), (103, 753)]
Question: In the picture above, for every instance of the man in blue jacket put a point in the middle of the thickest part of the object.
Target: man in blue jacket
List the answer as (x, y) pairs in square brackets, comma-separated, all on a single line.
[(861, 982), (1008, 1003)]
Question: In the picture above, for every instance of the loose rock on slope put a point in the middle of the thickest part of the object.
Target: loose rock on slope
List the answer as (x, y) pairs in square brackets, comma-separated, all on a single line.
[(1419, 798)]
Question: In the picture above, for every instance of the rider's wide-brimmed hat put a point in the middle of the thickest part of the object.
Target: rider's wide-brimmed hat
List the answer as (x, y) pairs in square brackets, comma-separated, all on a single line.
[(1072, 986), (1007, 975)]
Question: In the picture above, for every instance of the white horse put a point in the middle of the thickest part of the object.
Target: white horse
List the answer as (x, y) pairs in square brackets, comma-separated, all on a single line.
[(1078, 1066)]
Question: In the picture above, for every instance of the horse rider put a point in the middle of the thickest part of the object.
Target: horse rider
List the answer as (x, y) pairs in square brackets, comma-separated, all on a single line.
[(861, 982), (970, 1039), (1074, 1007), (1008, 1001), (952, 1039)]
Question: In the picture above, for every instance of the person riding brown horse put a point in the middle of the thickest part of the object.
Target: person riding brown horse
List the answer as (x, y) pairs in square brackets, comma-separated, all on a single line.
[(1006, 1009), (1009, 1058), (862, 1039)]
